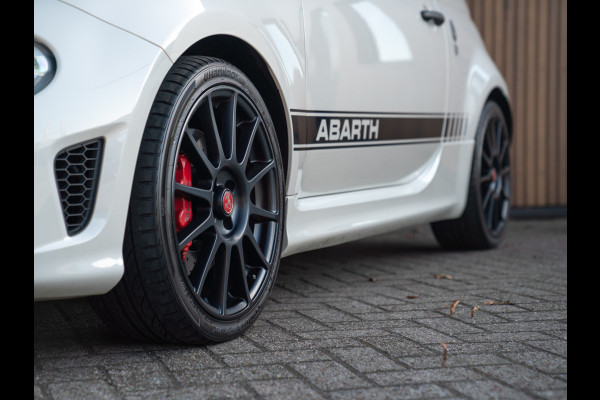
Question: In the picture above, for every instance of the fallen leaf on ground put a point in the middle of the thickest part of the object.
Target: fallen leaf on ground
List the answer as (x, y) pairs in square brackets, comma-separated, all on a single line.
[(491, 302), (412, 297), (473, 311), (445, 354), (453, 306), (372, 279), (443, 277)]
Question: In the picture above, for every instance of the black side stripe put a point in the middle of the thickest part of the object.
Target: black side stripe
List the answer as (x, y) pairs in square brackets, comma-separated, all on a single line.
[(315, 130), (456, 127)]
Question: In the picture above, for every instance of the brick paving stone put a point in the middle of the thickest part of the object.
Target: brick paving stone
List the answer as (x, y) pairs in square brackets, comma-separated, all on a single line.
[(298, 324), (426, 335), (83, 373), (519, 377), (383, 325), (232, 374), (330, 332), (300, 287), (552, 346), (484, 348), (325, 282), (264, 331), (421, 391), (402, 315), (397, 346), (329, 375), (319, 342), (285, 389), (96, 360), (273, 357), (494, 337), (352, 307), (79, 390), (180, 359), (546, 306), (536, 315), (562, 334), (61, 345), (554, 394), (540, 360), (464, 312), (450, 325), (452, 360), (271, 312), (364, 359), (136, 377), (488, 390), (240, 345), (343, 333), (205, 392), (379, 300), (328, 315), (107, 346), (528, 326), (441, 307), (404, 377)]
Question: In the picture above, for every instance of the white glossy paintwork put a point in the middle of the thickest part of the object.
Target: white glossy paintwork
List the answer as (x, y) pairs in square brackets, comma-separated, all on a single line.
[(273, 28), (323, 221), (371, 56), (100, 90), (327, 220), (472, 73), (325, 55)]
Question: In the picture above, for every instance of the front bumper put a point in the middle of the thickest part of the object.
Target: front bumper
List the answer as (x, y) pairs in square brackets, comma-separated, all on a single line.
[(104, 87)]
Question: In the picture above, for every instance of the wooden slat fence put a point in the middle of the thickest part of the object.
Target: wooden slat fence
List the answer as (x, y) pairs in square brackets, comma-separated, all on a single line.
[(528, 41)]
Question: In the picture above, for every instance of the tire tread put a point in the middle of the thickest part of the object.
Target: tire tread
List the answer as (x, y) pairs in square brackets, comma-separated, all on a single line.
[(142, 306)]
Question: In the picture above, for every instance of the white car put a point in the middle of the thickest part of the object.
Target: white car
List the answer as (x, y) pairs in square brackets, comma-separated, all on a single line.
[(182, 148)]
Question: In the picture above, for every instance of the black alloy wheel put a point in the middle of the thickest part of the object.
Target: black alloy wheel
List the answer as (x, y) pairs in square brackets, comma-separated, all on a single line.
[(205, 227), (483, 222), (227, 246), (494, 178)]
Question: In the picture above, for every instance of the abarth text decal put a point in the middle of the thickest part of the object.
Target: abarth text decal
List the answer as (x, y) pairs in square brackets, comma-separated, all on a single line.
[(326, 130)]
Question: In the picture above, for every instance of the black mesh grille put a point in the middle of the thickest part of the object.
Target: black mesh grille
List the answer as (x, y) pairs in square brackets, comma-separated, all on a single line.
[(77, 169)]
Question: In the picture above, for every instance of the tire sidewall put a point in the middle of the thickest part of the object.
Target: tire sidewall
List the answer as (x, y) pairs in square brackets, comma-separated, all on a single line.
[(205, 78)]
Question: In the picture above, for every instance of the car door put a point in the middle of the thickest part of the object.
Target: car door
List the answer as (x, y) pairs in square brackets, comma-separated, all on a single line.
[(376, 80)]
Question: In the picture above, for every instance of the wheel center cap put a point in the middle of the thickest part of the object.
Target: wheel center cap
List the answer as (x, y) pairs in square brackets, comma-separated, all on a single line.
[(227, 202)]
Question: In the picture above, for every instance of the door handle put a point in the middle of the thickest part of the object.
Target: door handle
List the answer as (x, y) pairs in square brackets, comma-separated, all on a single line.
[(435, 16)]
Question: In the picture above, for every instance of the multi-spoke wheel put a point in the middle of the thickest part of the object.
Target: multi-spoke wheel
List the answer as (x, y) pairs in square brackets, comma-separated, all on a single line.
[(495, 175), (224, 200), (205, 225), (483, 222)]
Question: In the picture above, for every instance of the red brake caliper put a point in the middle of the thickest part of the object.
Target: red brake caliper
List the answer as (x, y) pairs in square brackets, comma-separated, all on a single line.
[(183, 206)]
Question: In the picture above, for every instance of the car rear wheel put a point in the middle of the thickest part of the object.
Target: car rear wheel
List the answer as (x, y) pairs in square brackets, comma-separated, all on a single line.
[(205, 224), (483, 222)]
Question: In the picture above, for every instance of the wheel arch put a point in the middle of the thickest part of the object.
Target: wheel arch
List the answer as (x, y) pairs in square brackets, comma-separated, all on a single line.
[(498, 96), (247, 59)]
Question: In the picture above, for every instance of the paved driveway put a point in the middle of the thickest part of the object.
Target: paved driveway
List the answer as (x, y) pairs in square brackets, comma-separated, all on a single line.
[(364, 320)]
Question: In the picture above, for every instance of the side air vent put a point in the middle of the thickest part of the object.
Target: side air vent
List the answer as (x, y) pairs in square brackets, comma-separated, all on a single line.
[(77, 169)]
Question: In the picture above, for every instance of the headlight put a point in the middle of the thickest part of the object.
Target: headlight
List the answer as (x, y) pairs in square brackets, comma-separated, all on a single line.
[(44, 67)]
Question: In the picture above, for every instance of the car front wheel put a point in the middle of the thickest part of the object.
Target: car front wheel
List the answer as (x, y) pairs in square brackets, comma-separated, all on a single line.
[(204, 231)]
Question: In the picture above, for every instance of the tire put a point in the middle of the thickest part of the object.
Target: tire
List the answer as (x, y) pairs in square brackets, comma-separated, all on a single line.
[(205, 224), (483, 222)]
